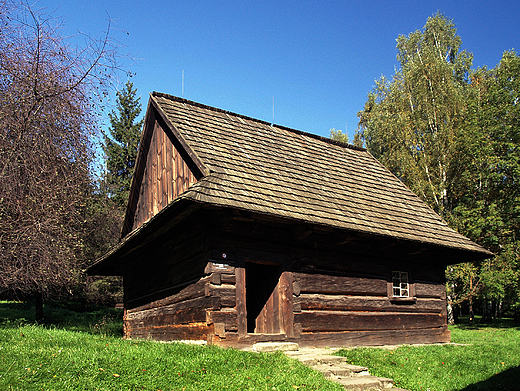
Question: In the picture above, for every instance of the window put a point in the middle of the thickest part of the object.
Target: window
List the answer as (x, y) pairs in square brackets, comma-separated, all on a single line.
[(400, 286)]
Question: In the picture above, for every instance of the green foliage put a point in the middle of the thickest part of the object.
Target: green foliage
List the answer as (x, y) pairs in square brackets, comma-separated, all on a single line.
[(338, 135), (72, 315), (452, 135), (486, 197), (121, 147), (409, 122), (486, 361)]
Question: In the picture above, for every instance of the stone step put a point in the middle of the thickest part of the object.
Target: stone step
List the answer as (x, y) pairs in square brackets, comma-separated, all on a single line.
[(314, 359), (340, 369), (275, 346), (336, 369), (367, 382), (360, 383)]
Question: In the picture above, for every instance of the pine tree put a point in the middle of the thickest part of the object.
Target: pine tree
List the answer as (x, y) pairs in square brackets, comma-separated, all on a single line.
[(121, 147)]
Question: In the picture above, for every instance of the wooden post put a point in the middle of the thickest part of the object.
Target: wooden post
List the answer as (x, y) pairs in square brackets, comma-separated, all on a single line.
[(240, 273), (286, 303)]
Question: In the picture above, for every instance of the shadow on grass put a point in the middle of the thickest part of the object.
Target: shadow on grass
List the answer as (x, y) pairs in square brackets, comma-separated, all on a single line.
[(477, 324), (62, 314), (507, 380)]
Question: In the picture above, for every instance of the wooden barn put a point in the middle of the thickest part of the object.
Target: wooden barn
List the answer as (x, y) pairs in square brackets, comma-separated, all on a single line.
[(239, 231)]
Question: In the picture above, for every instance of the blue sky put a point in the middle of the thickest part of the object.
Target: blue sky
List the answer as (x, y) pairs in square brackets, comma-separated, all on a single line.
[(317, 59)]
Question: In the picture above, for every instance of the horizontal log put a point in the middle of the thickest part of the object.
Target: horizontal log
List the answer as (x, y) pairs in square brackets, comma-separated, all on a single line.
[(343, 321), (191, 291), (427, 290), (226, 294), (233, 340), (340, 285), (159, 317), (197, 331), (375, 338), (221, 278), (314, 301), (200, 302), (228, 279), (341, 339), (228, 318)]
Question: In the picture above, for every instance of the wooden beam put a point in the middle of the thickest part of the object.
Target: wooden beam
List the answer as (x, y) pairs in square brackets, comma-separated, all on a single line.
[(240, 273)]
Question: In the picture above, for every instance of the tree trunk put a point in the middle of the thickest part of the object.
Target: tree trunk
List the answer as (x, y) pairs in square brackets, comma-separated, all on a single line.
[(449, 308), (39, 306), (487, 310), (471, 314)]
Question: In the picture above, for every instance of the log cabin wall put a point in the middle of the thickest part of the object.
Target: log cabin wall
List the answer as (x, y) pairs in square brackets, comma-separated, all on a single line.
[(341, 293), (204, 309), (338, 297), (335, 310), (166, 175)]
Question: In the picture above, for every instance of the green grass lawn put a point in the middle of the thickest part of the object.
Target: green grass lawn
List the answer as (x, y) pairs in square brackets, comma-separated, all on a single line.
[(82, 349), (488, 359), (51, 357)]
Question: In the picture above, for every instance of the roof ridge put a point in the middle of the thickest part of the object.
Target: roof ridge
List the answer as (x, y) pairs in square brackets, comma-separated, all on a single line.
[(295, 131)]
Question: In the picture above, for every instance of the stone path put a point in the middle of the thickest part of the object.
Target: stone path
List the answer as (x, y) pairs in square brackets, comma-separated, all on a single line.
[(335, 368)]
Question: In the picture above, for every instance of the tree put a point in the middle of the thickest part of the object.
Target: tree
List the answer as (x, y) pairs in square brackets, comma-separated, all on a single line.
[(47, 123), (487, 195), (409, 122), (452, 134), (338, 135), (121, 148)]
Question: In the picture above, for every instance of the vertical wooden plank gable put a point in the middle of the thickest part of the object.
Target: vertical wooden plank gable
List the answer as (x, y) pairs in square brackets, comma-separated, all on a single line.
[(165, 176)]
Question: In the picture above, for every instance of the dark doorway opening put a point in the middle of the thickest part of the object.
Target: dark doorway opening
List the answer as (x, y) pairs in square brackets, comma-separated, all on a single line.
[(263, 298)]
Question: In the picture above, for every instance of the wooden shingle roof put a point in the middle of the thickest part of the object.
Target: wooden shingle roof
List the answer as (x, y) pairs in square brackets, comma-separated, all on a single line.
[(255, 166)]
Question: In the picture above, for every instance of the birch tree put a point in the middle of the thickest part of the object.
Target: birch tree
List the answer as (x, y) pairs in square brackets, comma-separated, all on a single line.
[(410, 121)]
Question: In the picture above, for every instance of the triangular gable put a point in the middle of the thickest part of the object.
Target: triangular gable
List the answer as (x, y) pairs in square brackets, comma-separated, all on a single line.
[(165, 168)]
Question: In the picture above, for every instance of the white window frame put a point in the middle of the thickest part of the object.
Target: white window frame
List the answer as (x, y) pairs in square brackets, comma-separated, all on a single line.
[(401, 284)]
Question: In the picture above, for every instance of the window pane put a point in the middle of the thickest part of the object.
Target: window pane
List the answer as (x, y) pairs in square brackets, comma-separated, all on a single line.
[(400, 287)]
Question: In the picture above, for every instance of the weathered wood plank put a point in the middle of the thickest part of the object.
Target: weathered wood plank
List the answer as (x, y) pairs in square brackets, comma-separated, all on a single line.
[(296, 288), (343, 321), (191, 291), (286, 303), (314, 301), (430, 290), (341, 339), (228, 279), (228, 318), (196, 331), (165, 316), (374, 338), (236, 341), (341, 285), (226, 294), (240, 273), (198, 303)]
